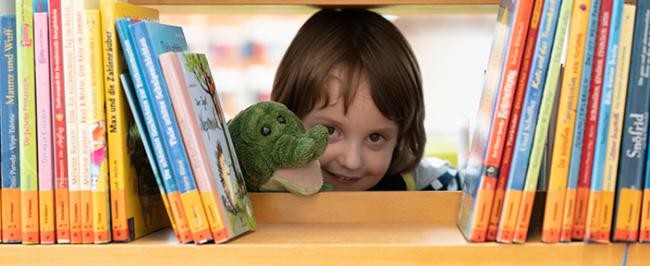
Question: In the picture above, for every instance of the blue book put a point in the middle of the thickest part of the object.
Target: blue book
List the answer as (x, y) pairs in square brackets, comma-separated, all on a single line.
[(632, 162), (159, 166), (605, 109), (149, 40), (145, 121), (9, 161), (40, 5)]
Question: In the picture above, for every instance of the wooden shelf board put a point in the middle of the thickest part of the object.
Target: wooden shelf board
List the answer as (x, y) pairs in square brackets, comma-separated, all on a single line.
[(638, 254), (315, 2), (391, 228)]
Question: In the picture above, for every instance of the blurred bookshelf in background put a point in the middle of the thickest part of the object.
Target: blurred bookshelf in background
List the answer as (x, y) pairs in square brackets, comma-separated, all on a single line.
[(245, 44)]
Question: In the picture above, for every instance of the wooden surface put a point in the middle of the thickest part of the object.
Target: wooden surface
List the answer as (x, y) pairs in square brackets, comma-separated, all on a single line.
[(389, 228), (638, 254), (313, 2)]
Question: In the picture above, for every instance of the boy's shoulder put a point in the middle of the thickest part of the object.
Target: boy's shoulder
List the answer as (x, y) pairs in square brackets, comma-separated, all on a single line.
[(430, 174)]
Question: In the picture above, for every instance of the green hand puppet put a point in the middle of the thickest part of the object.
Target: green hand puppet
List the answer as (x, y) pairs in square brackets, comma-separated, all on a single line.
[(275, 152)]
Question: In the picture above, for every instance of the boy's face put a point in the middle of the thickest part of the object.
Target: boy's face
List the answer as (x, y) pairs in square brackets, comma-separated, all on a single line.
[(361, 142)]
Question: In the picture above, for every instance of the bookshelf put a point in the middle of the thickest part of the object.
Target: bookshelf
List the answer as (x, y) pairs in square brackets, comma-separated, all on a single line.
[(314, 2), (391, 228)]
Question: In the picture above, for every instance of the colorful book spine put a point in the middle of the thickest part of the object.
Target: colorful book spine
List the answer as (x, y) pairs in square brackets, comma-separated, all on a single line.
[(151, 138), (609, 71), (61, 196), (194, 110), (72, 134), (515, 114), (477, 190), (591, 124), (27, 124), (563, 142), (551, 85), (82, 103), (129, 171), (150, 40), (44, 133), (632, 166), (11, 230), (616, 122), (96, 130), (570, 212)]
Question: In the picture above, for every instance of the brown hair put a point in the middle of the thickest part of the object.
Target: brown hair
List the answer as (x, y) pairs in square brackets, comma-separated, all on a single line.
[(362, 44)]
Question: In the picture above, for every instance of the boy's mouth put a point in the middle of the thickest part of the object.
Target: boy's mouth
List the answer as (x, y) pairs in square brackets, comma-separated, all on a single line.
[(344, 180)]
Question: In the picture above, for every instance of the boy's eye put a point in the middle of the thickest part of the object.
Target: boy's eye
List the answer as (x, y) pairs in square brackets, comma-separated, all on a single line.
[(375, 137), (330, 130)]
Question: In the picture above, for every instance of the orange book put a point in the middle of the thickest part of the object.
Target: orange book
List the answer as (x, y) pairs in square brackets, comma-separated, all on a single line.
[(568, 101), (500, 190)]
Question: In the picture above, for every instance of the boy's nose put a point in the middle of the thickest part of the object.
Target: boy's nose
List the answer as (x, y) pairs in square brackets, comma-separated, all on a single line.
[(351, 157)]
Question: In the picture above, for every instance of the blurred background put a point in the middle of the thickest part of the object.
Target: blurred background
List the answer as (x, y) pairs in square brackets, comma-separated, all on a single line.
[(245, 45)]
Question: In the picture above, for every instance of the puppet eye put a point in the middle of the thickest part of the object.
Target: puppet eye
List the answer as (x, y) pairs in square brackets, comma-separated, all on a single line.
[(281, 119), (265, 131)]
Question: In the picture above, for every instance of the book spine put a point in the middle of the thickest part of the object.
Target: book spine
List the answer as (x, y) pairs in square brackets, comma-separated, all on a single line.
[(614, 135), (187, 118), (166, 122), (563, 141), (11, 230), (502, 180), (96, 130), (61, 196), (580, 123), (566, 233), (632, 163), (473, 213), (152, 138), (82, 101), (72, 136), (607, 82), (535, 87), (116, 124), (44, 133), (27, 125), (591, 124)]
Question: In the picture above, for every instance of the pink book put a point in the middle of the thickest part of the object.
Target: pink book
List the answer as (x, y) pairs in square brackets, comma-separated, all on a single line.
[(192, 133), (44, 134)]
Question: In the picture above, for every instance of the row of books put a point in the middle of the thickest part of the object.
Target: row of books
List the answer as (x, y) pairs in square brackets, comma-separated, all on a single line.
[(566, 80), (99, 145)]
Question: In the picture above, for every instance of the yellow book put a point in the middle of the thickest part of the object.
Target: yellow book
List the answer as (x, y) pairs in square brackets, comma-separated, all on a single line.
[(615, 124), (136, 205), (96, 131), (568, 102)]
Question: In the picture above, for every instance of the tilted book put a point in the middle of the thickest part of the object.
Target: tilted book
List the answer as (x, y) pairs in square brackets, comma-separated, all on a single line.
[(201, 120), (150, 137), (480, 181)]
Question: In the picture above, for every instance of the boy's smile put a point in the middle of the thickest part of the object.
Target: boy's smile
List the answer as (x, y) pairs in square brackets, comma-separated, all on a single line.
[(361, 142)]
